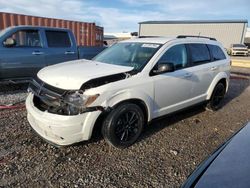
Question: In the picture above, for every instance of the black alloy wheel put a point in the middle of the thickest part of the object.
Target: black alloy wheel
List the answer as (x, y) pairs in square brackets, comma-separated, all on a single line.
[(123, 125), (218, 94)]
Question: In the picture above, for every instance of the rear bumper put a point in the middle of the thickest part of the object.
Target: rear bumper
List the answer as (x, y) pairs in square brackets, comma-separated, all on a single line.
[(59, 129)]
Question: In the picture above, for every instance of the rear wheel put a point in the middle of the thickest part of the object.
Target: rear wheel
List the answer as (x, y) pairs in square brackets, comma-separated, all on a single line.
[(123, 125), (218, 94)]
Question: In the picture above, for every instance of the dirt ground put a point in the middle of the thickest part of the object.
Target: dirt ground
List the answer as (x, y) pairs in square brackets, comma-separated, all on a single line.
[(168, 151)]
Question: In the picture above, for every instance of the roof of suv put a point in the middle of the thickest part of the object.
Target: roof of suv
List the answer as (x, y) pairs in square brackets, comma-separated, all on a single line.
[(163, 40), (158, 40)]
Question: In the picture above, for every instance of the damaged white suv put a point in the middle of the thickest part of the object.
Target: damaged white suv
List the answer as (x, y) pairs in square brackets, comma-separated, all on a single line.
[(125, 87)]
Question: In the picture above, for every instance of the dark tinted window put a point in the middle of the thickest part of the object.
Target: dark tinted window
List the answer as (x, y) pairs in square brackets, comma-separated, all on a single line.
[(58, 39), (177, 55), (199, 53), (216, 52), (27, 38)]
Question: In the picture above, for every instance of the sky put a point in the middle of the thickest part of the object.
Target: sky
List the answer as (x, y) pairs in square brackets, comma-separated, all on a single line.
[(124, 15)]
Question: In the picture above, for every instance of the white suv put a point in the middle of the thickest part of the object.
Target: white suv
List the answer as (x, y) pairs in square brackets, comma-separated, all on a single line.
[(125, 87), (238, 49)]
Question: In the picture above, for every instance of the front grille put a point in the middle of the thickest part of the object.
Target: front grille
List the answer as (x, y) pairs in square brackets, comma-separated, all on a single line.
[(40, 88), (40, 104), (240, 53), (46, 97)]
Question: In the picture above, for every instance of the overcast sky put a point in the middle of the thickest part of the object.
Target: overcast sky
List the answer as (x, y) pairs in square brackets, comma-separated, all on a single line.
[(124, 15)]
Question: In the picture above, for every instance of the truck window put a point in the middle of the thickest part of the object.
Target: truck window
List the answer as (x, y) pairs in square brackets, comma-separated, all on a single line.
[(27, 38), (58, 39)]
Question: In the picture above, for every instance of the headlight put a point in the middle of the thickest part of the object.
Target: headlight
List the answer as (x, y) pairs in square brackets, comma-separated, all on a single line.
[(77, 101)]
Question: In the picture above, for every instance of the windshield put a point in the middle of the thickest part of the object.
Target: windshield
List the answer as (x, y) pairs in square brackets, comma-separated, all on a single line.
[(239, 45), (3, 31), (130, 54)]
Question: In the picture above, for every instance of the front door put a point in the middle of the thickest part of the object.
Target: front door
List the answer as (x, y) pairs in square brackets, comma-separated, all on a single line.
[(25, 58), (172, 89)]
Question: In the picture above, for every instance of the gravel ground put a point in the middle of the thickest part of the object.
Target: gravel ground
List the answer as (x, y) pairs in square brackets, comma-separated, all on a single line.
[(168, 151), (10, 94)]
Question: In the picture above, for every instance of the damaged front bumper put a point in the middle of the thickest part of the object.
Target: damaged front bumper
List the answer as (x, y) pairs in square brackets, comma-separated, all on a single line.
[(55, 100), (61, 129)]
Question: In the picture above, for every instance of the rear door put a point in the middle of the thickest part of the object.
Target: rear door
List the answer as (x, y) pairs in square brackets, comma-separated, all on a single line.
[(202, 69), (218, 58), (25, 58), (60, 47)]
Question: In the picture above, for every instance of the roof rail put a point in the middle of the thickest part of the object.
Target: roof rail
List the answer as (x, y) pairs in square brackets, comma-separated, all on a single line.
[(186, 36), (149, 36)]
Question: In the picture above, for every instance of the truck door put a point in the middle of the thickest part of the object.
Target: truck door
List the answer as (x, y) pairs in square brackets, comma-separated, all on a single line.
[(25, 57), (60, 47)]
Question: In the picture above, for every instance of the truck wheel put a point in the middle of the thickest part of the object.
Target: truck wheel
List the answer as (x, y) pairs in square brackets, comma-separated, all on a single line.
[(216, 98), (123, 125)]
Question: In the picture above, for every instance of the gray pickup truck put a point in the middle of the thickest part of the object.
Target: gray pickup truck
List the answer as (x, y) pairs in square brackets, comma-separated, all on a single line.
[(24, 50)]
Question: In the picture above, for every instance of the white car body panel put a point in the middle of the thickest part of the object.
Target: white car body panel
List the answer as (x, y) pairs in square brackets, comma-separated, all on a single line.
[(161, 94), (172, 91), (136, 87)]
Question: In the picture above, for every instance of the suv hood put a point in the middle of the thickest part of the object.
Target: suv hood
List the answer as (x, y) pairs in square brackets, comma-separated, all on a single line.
[(71, 75)]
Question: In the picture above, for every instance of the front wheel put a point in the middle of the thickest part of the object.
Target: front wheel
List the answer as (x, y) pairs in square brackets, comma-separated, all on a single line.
[(123, 126), (218, 94)]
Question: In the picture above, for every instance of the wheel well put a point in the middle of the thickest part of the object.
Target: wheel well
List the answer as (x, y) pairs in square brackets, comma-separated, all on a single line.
[(138, 102), (98, 124), (223, 81)]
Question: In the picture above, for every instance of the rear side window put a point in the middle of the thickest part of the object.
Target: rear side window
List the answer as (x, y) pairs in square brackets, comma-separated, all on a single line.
[(58, 39), (216, 52), (199, 53)]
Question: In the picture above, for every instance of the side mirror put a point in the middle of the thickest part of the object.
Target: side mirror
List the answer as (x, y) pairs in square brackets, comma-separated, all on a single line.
[(164, 67), (9, 42)]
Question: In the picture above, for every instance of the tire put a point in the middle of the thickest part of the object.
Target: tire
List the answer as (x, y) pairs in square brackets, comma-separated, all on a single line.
[(217, 96), (123, 125)]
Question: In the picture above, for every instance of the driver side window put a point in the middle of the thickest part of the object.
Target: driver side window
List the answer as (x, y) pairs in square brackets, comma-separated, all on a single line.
[(176, 55), (26, 38)]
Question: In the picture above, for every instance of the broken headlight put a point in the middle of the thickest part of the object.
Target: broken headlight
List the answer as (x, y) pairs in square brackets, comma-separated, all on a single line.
[(77, 102)]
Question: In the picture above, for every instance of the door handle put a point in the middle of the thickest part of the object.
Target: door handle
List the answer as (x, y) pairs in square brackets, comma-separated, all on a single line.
[(37, 53), (214, 68), (188, 75), (69, 52)]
